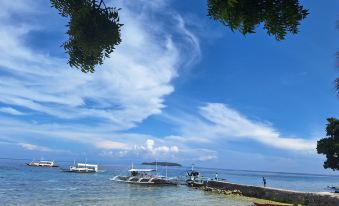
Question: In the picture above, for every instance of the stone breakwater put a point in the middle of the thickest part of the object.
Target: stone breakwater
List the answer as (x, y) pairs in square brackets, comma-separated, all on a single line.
[(279, 195)]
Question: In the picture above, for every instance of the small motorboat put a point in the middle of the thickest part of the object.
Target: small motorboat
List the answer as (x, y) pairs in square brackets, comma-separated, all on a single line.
[(42, 163)]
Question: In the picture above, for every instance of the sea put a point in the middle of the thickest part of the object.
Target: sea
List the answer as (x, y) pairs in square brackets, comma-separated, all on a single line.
[(24, 185)]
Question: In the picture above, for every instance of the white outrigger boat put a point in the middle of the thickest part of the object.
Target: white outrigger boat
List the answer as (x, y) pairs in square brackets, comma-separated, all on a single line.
[(83, 168), (194, 179), (335, 189), (145, 177), (42, 163)]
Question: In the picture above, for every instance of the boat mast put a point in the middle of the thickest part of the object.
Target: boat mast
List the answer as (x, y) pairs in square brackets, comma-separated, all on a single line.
[(86, 165), (156, 167), (166, 170)]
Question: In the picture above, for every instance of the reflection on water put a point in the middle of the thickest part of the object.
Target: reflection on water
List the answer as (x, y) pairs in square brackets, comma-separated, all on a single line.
[(22, 185)]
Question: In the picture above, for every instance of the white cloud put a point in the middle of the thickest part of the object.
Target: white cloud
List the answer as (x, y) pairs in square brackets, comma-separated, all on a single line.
[(10, 110), (207, 157), (108, 144), (147, 149), (164, 149), (33, 147), (150, 147), (101, 136), (219, 122)]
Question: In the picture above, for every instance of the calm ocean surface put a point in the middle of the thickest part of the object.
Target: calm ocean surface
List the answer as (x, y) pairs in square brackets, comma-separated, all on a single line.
[(23, 185)]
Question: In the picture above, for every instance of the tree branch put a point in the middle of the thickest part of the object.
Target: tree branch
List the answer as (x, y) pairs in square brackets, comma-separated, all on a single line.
[(102, 1), (93, 2)]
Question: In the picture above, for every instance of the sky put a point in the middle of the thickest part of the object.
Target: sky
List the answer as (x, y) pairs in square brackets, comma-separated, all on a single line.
[(180, 87)]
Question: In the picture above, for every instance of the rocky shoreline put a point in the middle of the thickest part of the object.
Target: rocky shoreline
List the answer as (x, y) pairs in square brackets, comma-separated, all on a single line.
[(272, 194)]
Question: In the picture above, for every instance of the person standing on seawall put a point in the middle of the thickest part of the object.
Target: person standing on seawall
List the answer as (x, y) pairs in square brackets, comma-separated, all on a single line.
[(264, 181)]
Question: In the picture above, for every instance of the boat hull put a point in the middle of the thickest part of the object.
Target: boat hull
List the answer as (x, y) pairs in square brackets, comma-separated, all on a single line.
[(144, 181), (192, 183), (78, 171), (34, 165), (269, 204)]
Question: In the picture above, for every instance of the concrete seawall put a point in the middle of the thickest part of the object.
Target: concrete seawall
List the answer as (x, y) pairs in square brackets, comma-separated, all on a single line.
[(286, 196)]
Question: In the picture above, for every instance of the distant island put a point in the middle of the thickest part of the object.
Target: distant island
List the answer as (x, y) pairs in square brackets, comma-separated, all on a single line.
[(162, 164)]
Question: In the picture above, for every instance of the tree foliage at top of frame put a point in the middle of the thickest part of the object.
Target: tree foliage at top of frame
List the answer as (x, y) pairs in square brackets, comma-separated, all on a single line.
[(93, 30), (279, 17)]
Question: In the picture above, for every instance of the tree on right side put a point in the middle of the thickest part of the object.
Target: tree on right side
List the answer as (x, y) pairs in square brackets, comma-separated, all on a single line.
[(336, 82), (329, 145)]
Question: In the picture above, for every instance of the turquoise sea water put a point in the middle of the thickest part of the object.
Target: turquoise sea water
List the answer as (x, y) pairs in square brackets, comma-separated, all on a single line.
[(23, 185)]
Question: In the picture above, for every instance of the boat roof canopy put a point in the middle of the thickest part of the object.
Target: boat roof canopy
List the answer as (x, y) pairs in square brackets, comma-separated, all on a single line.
[(86, 165), (141, 170)]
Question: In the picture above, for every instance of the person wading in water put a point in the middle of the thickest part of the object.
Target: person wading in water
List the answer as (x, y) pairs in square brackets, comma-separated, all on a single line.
[(264, 181)]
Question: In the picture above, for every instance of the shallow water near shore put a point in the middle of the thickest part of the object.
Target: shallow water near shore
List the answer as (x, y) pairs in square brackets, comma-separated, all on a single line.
[(23, 185)]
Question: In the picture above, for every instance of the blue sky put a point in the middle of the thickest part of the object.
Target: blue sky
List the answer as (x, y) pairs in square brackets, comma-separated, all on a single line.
[(180, 87)]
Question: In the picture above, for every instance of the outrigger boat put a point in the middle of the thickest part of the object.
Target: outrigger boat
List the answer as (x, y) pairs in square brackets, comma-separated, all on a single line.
[(271, 204), (83, 168), (194, 179), (334, 189), (42, 163), (145, 177)]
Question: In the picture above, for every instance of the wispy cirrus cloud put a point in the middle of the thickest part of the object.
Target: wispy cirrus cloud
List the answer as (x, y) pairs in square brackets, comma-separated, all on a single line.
[(219, 122), (10, 110), (129, 87), (34, 147)]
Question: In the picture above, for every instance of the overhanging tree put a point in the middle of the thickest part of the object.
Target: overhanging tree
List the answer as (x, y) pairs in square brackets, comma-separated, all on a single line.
[(94, 29), (279, 17), (329, 145)]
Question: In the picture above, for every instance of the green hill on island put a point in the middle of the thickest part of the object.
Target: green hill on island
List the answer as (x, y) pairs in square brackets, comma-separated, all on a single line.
[(162, 164)]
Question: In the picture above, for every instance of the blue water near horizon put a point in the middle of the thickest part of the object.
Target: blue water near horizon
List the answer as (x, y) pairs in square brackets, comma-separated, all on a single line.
[(23, 185)]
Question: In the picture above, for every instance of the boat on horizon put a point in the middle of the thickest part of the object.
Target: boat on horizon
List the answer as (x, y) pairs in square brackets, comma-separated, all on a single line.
[(145, 177), (42, 163), (82, 168)]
